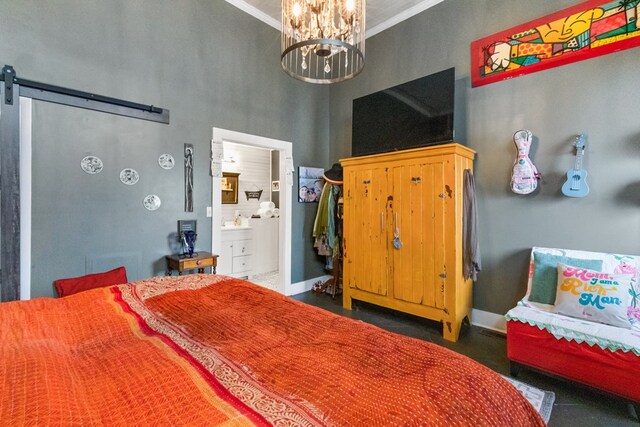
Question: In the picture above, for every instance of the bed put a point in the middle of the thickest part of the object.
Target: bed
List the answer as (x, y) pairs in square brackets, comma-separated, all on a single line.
[(214, 350)]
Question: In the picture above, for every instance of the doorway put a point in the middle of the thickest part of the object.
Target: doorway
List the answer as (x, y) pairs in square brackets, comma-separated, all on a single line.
[(284, 152)]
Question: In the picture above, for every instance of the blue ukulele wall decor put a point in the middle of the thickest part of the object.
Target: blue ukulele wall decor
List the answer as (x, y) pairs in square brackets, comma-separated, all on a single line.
[(576, 184)]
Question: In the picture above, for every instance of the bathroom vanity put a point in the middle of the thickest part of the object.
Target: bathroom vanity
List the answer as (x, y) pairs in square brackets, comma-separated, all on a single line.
[(236, 252), (266, 239), (250, 250)]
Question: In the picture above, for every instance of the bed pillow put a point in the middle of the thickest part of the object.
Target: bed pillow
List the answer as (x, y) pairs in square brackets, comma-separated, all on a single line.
[(592, 295), (66, 287), (545, 274)]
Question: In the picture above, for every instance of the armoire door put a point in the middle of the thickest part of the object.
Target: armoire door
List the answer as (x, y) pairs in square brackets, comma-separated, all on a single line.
[(365, 242), (419, 211)]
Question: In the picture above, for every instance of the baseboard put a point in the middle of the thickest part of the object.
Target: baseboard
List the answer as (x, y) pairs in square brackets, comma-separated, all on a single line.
[(300, 287), (488, 320)]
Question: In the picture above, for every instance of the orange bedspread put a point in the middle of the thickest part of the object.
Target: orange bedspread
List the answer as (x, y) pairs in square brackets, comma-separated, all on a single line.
[(211, 350)]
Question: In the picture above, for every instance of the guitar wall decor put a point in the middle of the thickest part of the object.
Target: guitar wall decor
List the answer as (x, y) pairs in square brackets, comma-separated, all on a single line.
[(524, 175), (576, 184)]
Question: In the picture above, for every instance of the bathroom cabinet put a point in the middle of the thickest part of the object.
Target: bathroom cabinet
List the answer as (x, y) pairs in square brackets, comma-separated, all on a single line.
[(266, 236), (236, 252)]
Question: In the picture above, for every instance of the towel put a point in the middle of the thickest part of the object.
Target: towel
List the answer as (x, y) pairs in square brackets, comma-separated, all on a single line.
[(470, 246)]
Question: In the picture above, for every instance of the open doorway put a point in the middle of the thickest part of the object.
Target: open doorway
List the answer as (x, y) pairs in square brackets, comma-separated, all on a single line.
[(235, 234)]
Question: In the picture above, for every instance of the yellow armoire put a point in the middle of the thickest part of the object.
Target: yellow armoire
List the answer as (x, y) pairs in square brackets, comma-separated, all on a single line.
[(402, 245)]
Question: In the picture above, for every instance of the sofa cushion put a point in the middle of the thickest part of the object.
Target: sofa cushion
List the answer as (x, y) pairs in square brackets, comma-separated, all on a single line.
[(66, 287), (545, 274), (593, 295)]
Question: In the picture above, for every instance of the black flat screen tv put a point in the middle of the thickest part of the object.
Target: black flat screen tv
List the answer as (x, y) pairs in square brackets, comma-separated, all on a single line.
[(414, 114)]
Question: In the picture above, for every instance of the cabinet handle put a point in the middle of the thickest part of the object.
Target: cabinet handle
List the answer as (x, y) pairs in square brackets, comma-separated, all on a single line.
[(381, 221)]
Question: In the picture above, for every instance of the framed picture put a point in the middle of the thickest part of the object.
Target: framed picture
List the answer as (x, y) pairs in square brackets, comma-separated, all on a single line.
[(275, 185), (586, 30), (310, 184), (229, 188)]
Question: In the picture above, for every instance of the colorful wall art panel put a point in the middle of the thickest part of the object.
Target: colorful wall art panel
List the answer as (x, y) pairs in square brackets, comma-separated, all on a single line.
[(587, 30)]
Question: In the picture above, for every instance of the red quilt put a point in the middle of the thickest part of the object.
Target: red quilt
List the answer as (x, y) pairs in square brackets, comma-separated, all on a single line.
[(211, 350)]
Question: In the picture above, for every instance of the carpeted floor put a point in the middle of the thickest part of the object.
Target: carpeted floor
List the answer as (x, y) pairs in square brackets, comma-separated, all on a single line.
[(575, 405)]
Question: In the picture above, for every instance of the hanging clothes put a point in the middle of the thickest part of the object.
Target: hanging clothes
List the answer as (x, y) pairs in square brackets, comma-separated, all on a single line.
[(471, 263), (321, 223), (327, 230), (325, 227), (332, 230)]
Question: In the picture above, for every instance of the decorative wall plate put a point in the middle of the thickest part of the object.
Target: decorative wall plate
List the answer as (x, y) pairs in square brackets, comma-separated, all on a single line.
[(152, 202), (129, 176), (91, 165), (166, 161)]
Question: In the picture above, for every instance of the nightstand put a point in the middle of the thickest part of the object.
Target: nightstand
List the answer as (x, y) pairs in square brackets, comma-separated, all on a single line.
[(200, 261)]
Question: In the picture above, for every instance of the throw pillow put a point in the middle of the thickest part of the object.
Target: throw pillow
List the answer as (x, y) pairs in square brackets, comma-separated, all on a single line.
[(545, 274), (66, 287), (592, 295)]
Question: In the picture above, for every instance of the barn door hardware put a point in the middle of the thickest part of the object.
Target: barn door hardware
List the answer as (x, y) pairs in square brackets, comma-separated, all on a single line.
[(79, 99), (8, 74), (12, 89)]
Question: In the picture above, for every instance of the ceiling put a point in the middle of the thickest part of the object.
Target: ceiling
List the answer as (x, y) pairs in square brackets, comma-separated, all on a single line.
[(381, 14)]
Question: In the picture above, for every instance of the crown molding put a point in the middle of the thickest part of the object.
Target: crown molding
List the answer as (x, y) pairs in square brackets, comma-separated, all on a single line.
[(256, 13), (269, 20), (408, 13)]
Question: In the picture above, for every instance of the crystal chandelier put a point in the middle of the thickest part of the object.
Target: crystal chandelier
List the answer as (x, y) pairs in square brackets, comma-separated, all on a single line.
[(323, 40)]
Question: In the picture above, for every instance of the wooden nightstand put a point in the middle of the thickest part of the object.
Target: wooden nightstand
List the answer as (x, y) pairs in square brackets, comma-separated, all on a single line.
[(200, 260)]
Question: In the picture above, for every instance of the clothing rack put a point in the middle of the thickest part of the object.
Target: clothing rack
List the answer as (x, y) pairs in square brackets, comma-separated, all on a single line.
[(333, 286)]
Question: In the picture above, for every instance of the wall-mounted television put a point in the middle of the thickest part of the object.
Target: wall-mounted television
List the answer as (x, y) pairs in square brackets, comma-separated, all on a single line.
[(413, 114)]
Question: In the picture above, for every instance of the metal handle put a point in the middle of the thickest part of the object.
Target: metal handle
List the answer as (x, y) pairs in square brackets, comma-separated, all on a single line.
[(381, 221)]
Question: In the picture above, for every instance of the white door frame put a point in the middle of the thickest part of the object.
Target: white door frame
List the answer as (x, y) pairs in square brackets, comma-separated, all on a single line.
[(25, 197), (286, 155)]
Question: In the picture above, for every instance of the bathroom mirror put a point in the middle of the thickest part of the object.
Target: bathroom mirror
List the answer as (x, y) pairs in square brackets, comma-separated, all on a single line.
[(230, 188)]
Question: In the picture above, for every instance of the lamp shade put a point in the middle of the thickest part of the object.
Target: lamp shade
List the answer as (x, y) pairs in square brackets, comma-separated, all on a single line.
[(323, 41)]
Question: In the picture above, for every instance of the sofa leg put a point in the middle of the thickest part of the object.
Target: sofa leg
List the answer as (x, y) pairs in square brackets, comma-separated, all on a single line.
[(514, 368)]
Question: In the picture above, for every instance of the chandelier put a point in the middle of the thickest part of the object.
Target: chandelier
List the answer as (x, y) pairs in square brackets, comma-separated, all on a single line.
[(323, 40)]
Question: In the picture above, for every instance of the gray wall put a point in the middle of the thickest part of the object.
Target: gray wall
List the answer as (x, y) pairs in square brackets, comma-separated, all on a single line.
[(213, 65), (598, 97), (206, 61)]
